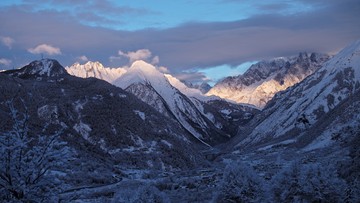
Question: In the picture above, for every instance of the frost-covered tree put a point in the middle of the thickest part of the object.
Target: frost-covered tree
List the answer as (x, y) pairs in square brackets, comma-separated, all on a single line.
[(26, 160), (308, 183), (240, 183)]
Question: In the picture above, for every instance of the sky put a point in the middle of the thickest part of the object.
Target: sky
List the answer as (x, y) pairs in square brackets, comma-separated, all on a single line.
[(196, 41)]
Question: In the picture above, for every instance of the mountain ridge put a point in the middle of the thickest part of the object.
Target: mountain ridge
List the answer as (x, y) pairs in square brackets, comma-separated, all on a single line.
[(299, 107), (264, 79)]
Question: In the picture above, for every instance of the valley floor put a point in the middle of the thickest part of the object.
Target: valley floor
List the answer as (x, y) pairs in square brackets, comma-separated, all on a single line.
[(268, 174)]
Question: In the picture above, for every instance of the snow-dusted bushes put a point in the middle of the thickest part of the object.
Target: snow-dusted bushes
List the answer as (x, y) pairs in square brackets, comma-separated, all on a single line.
[(27, 160), (240, 184), (144, 194), (313, 182)]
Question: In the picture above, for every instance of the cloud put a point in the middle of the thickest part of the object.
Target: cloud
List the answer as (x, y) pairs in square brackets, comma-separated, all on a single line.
[(82, 58), (96, 13), (141, 54), (155, 60), (5, 62), (45, 49), (7, 41), (329, 25), (193, 77), (163, 69)]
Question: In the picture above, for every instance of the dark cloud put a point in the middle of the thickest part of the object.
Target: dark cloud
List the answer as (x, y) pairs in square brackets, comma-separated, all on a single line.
[(328, 27), (193, 77)]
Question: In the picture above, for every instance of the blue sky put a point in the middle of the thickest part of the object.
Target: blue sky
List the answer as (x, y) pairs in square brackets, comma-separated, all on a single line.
[(202, 40)]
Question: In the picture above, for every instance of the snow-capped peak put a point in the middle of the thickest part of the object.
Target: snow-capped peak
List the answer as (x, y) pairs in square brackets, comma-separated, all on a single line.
[(264, 79), (144, 73), (46, 67), (95, 69), (40, 68)]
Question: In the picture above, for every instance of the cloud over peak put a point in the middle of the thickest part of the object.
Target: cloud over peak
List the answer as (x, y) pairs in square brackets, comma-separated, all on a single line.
[(141, 54), (82, 58), (45, 49)]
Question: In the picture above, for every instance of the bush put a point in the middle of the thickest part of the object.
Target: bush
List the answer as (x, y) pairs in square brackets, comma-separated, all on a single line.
[(240, 184), (308, 183)]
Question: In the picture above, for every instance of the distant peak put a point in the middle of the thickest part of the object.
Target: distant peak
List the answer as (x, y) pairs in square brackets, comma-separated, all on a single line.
[(40, 68), (144, 73)]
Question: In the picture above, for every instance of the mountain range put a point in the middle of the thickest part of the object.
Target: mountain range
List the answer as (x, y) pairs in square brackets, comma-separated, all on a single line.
[(172, 98), (287, 130), (312, 112), (263, 80)]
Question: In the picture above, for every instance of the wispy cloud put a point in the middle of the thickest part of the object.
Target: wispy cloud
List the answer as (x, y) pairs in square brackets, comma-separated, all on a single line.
[(96, 13), (82, 58), (5, 62), (7, 41), (45, 49), (194, 77), (141, 54)]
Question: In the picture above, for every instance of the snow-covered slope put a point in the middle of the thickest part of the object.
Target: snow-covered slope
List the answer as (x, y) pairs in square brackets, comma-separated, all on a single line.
[(294, 112), (196, 112), (264, 79), (154, 88), (96, 70)]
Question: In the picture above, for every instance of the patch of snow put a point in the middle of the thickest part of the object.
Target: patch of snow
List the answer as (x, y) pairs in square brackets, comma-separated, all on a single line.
[(285, 142), (320, 142), (98, 97), (79, 105), (113, 129), (84, 130), (122, 95), (150, 163), (140, 114), (226, 111), (167, 143)]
